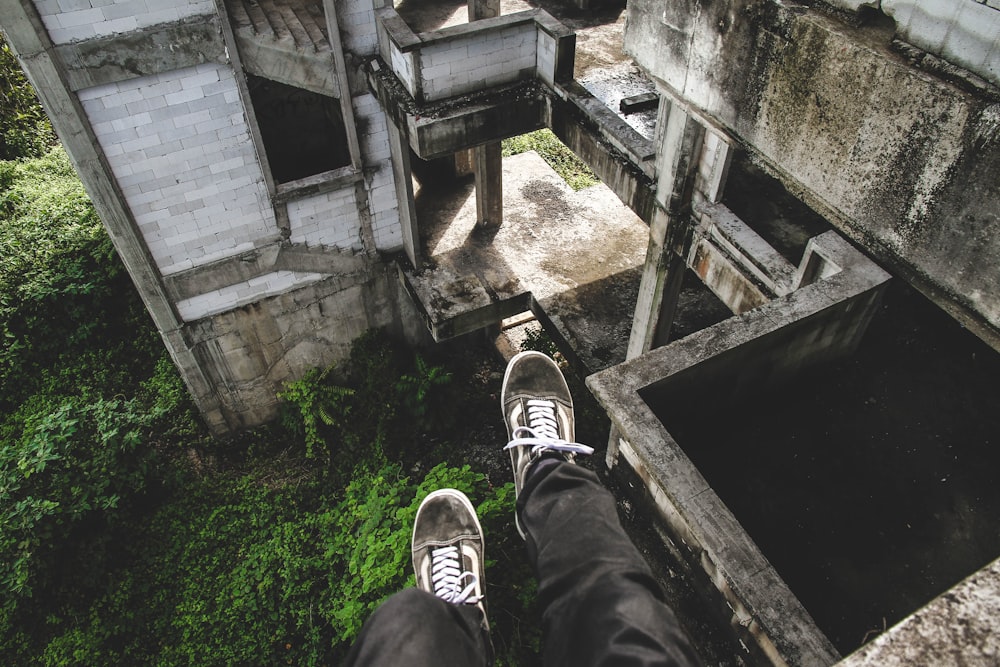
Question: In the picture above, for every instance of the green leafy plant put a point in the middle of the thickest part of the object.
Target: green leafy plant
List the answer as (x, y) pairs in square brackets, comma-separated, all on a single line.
[(24, 128), (417, 391), (316, 400)]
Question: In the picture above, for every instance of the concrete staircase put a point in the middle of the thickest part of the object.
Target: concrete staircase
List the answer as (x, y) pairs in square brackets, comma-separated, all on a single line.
[(285, 41), (294, 24)]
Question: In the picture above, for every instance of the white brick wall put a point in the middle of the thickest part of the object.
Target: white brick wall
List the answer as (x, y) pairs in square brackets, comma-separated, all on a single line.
[(373, 134), (374, 138), (385, 210), (963, 32), (458, 66), (329, 219), (240, 294), (179, 146), (75, 20), (402, 65), (357, 26)]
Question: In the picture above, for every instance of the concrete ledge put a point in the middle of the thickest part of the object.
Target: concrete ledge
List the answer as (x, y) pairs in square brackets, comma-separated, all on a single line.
[(260, 262), (317, 184), (439, 130), (765, 345), (956, 628)]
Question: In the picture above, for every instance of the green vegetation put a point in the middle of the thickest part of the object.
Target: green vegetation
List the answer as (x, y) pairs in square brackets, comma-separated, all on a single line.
[(564, 161), (24, 129), (128, 536)]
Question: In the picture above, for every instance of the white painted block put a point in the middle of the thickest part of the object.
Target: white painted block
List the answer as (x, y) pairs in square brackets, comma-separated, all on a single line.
[(75, 34), (923, 23), (971, 42), (117, 10)]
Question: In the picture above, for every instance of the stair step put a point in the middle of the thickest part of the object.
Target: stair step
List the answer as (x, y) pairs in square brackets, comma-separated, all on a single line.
[(293, 24), (260, 23), (314, 22), (238, 14), (276, 21), (299, 33)]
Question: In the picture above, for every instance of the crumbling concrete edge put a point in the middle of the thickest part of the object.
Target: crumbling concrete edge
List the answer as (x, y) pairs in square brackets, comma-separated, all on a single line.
[(818, 321), (956, 628)]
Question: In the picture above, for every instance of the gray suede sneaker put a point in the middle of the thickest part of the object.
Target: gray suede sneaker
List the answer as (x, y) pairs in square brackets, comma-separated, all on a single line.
[(447, 548), (538, 410)]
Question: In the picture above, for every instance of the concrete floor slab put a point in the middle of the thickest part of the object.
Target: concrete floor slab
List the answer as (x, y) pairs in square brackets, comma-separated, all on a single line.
[(573, 257)]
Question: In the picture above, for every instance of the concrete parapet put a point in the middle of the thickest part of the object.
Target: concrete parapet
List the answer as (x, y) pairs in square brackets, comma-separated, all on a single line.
[(766, 344), (490, 52)]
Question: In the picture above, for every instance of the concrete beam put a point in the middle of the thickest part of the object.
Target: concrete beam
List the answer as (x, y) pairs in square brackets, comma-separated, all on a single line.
[(613, 150), (439, 130), (162, 48), (403, 179)]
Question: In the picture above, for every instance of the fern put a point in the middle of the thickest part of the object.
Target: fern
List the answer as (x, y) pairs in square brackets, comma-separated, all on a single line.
[(316, 401)]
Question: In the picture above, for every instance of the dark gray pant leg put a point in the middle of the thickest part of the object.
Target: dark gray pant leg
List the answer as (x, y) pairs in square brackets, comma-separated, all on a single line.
[(415, 628), (600, 604)]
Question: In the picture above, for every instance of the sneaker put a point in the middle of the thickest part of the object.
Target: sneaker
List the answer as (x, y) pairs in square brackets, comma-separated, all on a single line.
[(447, 548), (538, 411)]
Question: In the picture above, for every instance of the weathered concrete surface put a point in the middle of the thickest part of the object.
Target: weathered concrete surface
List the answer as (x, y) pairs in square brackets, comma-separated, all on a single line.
[(572, 257), (957, 628), (901, 161), (253, 349), (161, 48), (440, 130), (742, 354)]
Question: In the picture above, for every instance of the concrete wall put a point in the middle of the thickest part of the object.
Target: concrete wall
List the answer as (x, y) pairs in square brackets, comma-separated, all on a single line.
[(253, 348), (250, 283), (902, 161)]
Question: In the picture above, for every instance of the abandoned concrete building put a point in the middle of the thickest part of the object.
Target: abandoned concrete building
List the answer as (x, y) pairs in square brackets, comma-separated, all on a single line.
[(261, 166)]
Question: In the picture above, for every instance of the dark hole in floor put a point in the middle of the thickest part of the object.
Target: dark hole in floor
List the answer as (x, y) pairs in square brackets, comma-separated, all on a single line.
[(870, 484)]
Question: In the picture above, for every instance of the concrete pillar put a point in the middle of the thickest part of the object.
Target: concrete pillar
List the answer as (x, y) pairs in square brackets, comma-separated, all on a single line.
[(489, 185), (680, 136), (403, 178), (483, 9), (487, 160)]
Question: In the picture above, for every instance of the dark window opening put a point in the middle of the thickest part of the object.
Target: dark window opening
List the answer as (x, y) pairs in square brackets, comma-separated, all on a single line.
[(303, 132)]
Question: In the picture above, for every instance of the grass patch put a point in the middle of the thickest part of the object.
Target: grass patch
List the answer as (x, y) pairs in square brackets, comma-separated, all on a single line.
[(562, 160)]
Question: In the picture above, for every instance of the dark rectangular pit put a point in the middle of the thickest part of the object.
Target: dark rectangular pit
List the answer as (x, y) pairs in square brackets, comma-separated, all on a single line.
[(869, 483)]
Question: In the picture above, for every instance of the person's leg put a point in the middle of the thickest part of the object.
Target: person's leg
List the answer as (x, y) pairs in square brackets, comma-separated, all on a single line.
[(600, 604), (416, 628), (443, 620)]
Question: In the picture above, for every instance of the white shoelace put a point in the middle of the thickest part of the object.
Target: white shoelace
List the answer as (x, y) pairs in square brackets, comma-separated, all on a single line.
[(542, 431), (447, 577)]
